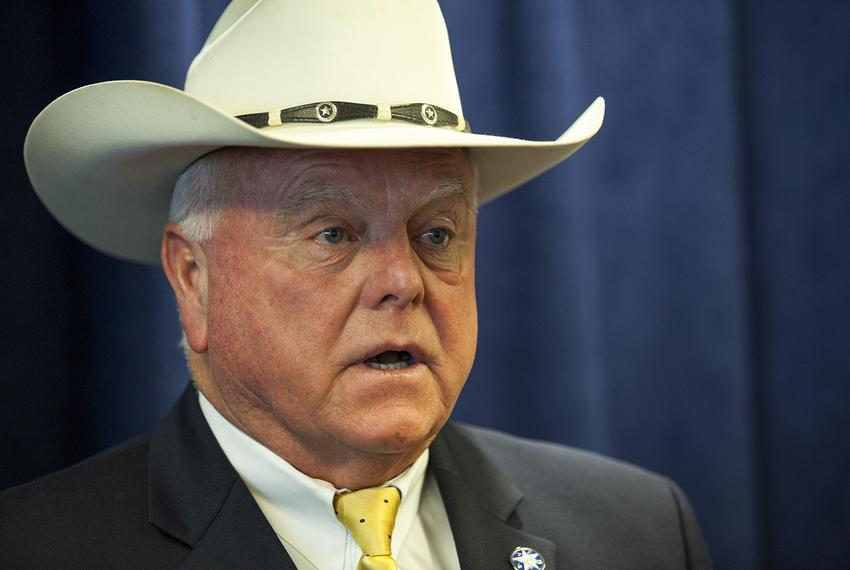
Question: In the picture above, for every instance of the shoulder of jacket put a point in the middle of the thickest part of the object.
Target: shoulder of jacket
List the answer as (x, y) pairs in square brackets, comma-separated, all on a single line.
[(82, 494), (533, 463), (107, 468)]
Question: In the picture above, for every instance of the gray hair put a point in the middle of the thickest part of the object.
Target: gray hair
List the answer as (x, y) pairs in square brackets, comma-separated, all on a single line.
[(199, 195)]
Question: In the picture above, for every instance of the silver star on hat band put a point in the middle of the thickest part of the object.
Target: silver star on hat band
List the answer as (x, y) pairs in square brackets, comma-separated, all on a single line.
[(326, 112), (429, 114)]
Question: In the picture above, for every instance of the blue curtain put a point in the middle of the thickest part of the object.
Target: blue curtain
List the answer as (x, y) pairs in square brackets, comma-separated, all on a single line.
[(676, 295)]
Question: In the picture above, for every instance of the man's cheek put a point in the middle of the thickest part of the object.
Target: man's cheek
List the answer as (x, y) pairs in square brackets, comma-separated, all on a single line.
[(315, 305)]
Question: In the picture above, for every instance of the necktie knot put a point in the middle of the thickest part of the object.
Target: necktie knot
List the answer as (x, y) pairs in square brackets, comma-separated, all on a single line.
[(370, 516)]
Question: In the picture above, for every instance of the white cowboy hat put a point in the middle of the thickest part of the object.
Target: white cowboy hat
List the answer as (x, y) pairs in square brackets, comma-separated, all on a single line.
[(276, 74)]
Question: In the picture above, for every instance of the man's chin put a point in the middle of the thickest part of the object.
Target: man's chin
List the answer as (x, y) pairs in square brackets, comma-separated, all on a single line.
[(394, 436)]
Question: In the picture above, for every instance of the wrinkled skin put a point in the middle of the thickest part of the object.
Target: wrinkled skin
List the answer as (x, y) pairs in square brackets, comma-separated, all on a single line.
[(321, 260)]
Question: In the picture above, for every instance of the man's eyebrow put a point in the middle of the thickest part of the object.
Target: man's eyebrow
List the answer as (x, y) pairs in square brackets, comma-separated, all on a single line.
[(302, 195), (456, 188)]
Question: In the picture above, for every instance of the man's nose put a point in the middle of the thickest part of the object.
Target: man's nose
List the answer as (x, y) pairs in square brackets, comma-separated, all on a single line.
[(393, 276)]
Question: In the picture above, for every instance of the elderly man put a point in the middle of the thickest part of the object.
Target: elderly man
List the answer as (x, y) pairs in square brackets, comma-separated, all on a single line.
[(320, 241)]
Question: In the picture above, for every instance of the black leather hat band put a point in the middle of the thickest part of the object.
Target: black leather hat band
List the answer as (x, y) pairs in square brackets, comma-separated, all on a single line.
[(334, 111)]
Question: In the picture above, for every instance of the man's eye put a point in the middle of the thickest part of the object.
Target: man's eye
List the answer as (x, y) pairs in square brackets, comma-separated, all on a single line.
[(437, 236), (331, 235)]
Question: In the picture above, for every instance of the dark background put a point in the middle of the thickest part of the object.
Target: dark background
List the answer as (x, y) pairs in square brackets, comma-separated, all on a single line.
[(676, 295)]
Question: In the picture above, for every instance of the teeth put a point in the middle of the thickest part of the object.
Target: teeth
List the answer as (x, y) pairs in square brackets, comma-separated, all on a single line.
[(390, 360), (393, 366)]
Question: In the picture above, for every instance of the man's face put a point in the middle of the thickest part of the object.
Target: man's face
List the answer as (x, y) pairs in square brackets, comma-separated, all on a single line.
[(340, 302)]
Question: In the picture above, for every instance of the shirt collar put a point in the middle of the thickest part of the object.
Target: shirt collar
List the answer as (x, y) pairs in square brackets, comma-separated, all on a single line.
[(299, 508)]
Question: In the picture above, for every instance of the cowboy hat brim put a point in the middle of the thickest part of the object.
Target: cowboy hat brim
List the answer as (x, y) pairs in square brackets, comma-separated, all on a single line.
[(104, 158)]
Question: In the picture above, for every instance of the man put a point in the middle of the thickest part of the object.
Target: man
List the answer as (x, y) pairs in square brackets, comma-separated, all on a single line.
[(312, 198)]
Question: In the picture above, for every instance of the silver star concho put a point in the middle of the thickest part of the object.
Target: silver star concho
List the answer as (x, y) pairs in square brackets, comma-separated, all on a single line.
[(326, 112), (429, 114), (525, 558)]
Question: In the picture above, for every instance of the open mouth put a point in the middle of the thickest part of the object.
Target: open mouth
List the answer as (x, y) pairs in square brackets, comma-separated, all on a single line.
[(390, 360)]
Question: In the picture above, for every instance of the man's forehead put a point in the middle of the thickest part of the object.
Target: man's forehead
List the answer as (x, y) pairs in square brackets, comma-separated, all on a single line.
[(292, 178)]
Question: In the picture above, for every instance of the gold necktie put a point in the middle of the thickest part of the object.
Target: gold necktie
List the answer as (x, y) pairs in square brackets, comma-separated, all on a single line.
[(370, 516)]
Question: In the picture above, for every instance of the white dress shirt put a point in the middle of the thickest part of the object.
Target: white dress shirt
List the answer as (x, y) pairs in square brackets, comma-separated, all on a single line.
[(299, 508)]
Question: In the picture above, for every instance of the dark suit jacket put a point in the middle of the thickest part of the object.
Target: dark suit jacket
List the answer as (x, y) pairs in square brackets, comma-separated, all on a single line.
[(171, 499)]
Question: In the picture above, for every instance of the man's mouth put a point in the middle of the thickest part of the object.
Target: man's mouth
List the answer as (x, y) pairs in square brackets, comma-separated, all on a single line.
[(390, 360)]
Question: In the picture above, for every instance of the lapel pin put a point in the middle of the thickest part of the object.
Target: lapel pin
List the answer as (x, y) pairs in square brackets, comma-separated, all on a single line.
[(525, 558)]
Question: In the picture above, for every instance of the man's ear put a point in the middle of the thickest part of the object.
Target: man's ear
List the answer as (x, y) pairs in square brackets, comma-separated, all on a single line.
[(185, 266)]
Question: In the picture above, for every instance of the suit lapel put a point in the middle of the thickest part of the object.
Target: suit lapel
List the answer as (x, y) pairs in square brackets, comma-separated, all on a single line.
[(197, 497), (238, 537), (481, 505)]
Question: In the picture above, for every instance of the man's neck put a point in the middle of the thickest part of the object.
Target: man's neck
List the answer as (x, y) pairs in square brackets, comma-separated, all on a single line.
[(336, 464)]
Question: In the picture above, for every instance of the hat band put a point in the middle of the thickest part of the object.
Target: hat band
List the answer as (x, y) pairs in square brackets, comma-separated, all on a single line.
[(335, 111)]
